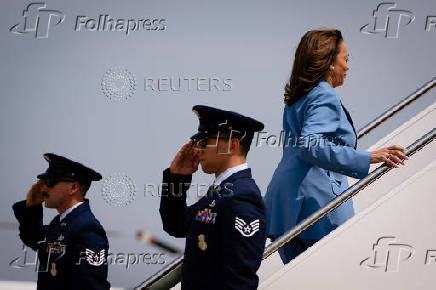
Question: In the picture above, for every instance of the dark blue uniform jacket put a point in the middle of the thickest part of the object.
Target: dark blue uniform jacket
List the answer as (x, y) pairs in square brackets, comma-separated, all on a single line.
[(72, 253), (225, 231)]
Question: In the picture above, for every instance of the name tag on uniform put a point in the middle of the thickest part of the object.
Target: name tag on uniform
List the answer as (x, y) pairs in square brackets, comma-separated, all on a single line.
[(206, 216)]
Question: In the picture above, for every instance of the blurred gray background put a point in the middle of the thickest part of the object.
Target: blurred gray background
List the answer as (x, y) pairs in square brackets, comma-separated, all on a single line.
[(52, 99)]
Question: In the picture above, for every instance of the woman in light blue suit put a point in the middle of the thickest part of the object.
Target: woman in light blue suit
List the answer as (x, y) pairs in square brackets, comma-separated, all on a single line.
[(320, 146)]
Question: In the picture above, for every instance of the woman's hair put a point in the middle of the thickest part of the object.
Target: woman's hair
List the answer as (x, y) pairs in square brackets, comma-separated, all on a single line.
[(315, 53)]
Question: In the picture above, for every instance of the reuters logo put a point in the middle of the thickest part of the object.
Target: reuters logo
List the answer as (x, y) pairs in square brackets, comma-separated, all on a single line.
[(118, 84), (118, 190)]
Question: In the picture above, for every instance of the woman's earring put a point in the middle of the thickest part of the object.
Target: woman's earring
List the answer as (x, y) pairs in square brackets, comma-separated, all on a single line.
[(332, 67)]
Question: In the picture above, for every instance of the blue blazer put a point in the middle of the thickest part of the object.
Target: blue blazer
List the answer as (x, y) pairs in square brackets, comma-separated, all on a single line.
[(318, 152)]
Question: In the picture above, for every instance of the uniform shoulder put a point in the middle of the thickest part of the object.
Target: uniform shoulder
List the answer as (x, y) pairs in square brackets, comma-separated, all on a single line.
[(245, 193), (243, 186), (86, 221)]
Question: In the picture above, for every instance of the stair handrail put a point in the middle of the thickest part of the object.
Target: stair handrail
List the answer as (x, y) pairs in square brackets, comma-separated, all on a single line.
[(396, 108), (346, 195)]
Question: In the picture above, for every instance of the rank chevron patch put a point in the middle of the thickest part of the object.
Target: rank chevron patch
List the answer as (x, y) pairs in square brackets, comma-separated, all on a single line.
[(95, 259), (247, 230)]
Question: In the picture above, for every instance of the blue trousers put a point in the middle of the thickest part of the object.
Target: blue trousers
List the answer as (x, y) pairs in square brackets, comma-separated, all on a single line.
[(293, 248)]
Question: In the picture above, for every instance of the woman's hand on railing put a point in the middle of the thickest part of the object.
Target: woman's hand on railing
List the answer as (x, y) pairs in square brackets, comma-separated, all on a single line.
[(392, 156)]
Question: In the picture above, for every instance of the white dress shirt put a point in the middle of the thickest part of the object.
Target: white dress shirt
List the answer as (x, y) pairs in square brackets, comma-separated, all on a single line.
[(65, 213), (228, 172)]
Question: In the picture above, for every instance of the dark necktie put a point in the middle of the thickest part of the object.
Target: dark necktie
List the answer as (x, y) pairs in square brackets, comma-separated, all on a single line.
[(212, 191)]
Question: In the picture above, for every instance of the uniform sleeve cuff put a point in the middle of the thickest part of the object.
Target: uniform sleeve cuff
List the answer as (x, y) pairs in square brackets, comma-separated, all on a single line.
[(176, 178), (22, 212)]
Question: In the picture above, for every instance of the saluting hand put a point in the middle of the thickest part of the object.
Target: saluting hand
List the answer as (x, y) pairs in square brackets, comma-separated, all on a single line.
[(186, 160), (391, 155), (34, 196)]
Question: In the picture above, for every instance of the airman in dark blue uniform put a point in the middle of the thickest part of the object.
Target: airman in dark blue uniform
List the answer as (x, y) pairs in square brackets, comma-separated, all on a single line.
[(72, 250), (225, 230)]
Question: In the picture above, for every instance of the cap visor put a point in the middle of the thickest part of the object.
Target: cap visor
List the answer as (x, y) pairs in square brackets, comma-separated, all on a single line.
[(199, 135), (47, 175)]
